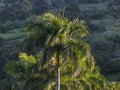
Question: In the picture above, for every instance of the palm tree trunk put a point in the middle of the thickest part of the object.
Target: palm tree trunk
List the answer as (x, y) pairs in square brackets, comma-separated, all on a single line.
[(57, 72), (57, 78)]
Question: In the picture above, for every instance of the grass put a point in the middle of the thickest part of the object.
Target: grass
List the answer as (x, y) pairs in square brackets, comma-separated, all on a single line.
[(112, 27), (110, 24), (107, 21), (98, 6), (12, 34), (16, 30)]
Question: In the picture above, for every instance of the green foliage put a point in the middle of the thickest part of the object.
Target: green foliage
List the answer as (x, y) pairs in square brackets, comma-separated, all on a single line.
[(23, 68), (98, 6), (47, 27), (114, 77), (115, 37), (23, 71), (6, 84), (93, 11), (61, 42), (114, 8), (13, 34), (95, 25), (43, 79), (9, 25), (93, 14), (26, 6), (105, 52), (72, 10)]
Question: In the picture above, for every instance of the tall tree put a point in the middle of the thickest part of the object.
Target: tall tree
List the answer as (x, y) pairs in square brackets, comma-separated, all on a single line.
[(64, 53), (60, 39)]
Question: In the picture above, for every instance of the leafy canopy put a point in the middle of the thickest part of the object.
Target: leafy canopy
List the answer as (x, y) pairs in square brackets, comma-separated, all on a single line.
[(62, 42)]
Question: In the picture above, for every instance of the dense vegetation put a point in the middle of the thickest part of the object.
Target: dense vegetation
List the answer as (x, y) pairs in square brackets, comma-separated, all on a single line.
[(102, 19)]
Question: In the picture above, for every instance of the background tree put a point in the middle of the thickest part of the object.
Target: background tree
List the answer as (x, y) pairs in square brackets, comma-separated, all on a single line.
[(114, 8)]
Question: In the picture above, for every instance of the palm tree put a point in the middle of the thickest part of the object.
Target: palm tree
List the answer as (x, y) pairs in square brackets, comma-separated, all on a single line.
[(64, 53), (57, 37)]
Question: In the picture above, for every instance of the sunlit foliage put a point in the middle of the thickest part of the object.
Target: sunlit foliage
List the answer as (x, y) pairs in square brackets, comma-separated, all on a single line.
[(62, 45)]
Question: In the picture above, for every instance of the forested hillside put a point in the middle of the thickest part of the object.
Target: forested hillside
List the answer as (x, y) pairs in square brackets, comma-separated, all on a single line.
[(102, 18)]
